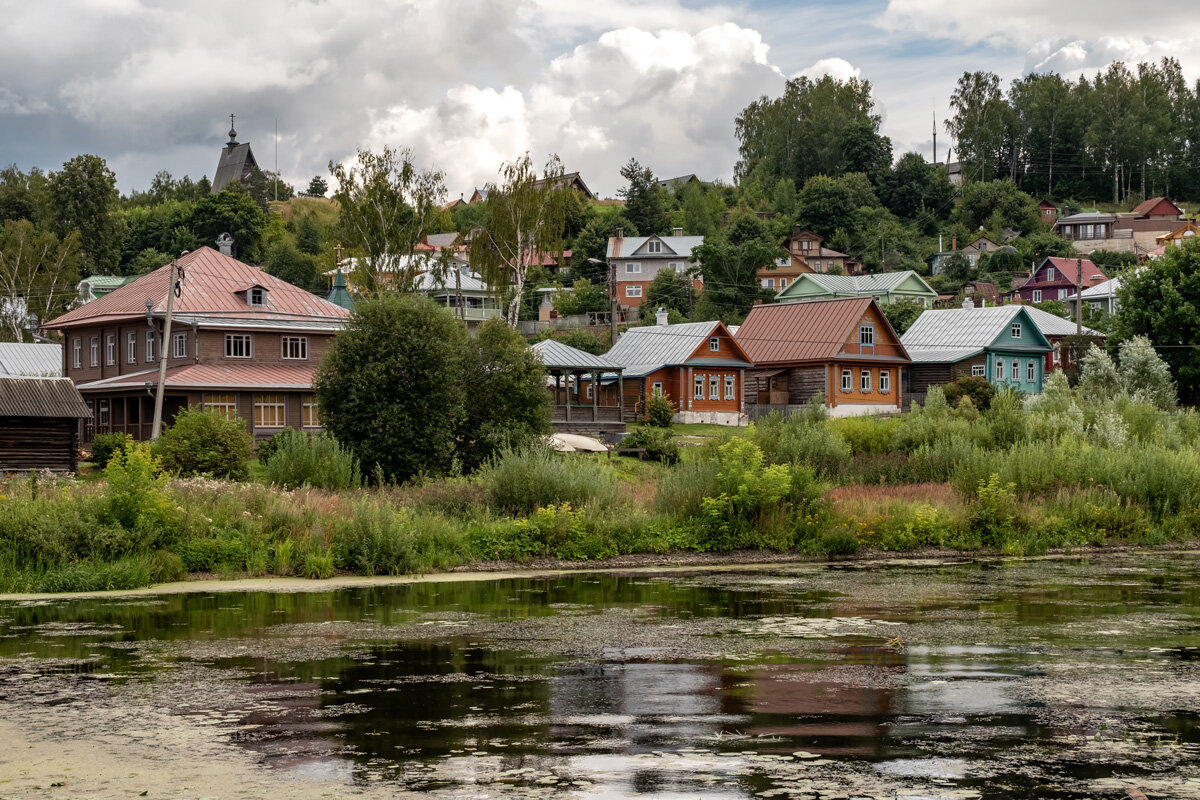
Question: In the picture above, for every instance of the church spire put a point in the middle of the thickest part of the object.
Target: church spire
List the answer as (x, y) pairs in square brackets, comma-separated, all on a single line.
[(232, 132)]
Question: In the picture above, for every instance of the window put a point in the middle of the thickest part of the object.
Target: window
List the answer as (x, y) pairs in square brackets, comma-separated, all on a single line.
[(864, 380), (77, 353), (678, 266), (1085, 231), (633, 269), (1051, 274), (238, 345), (1057, 357), (1030, 373), (257, 296), (308, 411), (768, 283), (714, 344), (179, 345), (698, 387), (151, 340), (817, 266), (847, 379), (1066, 229), (656, 389), (978, 370), (1062, 294), (94, 351), (866, 335), (131, 348), (1037, 295), (729, 394), (589, 391), (224, 404), (268, 411), (1016, 370), (983, 247), (783, 283), (295, 347), (653, 247), (1015, 330), (110, 349), (633, 291), (714, 387), (999, 370), (103, 412), (885, 381), (1092, 306)]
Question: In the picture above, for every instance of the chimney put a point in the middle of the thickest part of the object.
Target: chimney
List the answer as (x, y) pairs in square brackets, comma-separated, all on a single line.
[(677, 231), (225, 243), (660, 316), (954, 243), (620, 234), (968, 305)]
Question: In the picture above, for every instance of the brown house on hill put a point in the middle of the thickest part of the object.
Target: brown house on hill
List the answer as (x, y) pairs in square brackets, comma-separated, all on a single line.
[(842, 350), (243, 343)]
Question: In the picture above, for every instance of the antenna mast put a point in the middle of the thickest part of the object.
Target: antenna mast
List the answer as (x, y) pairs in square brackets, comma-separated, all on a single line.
[(935, 137), (277, 159)]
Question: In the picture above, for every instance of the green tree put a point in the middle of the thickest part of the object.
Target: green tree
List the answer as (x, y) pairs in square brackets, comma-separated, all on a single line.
[(317, 187), (980, 125), (289, 264), (915, 188), (525, 221), (703, 208), (205, 443), (824, 205), (38, 274), (1036, 247), (645, 206), (1145, 375), (996, 205), (231, 211), (902, 313), (506, 404), (730, 274), (85, 199), (147, 261), (670, 290), (584, 297), (386, 206), (308, 234), (25, 195), (391, 387)]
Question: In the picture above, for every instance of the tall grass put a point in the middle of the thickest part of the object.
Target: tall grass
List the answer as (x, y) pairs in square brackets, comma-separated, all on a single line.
[(522, 481), (318, 461)]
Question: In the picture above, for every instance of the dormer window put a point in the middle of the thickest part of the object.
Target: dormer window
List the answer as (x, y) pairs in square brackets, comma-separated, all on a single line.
[(654, 247), (256, 296)]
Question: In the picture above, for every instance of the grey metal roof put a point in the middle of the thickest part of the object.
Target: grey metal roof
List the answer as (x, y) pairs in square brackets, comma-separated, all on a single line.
[(442, 239), (643, 350), (680, 246), (40, 360), (557, 355), (950, 355), (957, 328), (1101, 291), (1054, 325), (41, 397)]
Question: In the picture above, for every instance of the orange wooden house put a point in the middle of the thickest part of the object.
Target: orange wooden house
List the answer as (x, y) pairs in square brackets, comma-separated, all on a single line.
[(697, 365), (842, 350)]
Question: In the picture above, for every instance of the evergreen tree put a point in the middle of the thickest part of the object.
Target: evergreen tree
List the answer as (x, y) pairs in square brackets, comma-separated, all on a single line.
[(644, 203)]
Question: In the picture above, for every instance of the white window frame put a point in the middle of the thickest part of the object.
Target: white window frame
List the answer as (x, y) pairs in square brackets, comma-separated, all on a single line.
[(633, 291), (77, 352), (131, 347), (656, 389), (714, 344), (698, 387), (1037, 295), (94, 351), (730, 388), (866, 336), (179, 345), (110, 349), (847, 380), (102, 412), (256, 296), (239, 345), (1051, 273), (864, 380), (1016, 370), (309, 411), (633, 268), (714, 387), (276, 405), (1015, 330), (999, 369), (678, 266), (293, 348), (979, 370), (1062, 294), (885, 381), (654, 246), (1030, 373), (224, 403), (768, 283), (151, 343)]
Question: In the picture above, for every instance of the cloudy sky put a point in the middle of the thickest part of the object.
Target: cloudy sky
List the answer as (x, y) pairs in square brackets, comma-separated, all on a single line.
[(467, 84)]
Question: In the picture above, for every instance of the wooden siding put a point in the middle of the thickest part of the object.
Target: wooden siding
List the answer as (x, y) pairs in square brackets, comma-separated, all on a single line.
[(37, 443), (922, 376)]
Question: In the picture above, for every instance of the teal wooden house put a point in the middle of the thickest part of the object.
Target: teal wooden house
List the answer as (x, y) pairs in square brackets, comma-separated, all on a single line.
[(1002, 344)]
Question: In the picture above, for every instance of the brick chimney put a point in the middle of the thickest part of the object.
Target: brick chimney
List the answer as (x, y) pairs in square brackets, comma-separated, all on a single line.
[(660, 316)]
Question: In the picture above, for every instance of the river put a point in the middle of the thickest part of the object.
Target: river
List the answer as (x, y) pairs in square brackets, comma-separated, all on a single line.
[(1050, 678)]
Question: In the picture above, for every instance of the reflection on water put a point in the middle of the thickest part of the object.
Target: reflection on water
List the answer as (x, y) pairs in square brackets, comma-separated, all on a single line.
[(1039, 679)]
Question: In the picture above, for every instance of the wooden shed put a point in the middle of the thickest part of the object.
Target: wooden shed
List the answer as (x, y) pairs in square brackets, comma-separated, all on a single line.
[(39, 424)]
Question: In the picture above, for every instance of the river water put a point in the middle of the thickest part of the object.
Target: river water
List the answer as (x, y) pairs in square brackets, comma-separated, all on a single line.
[(1006, 679)]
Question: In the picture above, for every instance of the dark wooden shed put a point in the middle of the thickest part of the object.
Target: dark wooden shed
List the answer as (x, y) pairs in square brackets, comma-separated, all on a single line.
[(39, 424)]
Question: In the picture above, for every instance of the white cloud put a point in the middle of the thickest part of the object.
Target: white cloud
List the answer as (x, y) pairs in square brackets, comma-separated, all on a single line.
[(836, 68)]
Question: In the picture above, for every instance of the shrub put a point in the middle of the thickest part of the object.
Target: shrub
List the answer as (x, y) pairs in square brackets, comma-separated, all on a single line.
[(1006, 420), (205, 443), (995, 516), (104, 445), (318, 461), (867, 434), (659, 411), (267, 447), (801, 437), (657, 443), (980, 390), (681, 491), (520, 481), (135, 494), (749, 492)]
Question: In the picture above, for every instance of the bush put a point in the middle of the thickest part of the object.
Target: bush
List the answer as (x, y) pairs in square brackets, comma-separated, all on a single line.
[(802, 437), (317, 461), (657, 443), (659, 411), (135, 494), (681, 491), (750, 492), (867, 434), (205, 443), (980, 390), (267, 447), (105, 445), (521, 481)]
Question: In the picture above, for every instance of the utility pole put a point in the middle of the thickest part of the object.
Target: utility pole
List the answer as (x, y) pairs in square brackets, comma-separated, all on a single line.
[(1078, 298), (277, 159), (612, 314), (172, 288)]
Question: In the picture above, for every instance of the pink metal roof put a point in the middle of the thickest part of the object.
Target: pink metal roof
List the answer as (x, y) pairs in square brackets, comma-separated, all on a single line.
[(216, 376), (1092, 274), (214, 285)]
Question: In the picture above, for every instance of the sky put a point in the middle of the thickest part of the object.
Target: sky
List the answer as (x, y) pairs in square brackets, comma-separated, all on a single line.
[(468, 84)]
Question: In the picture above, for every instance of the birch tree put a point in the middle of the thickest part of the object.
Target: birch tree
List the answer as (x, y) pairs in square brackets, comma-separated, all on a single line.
[(526, 218), (38, 275), (387, 206)]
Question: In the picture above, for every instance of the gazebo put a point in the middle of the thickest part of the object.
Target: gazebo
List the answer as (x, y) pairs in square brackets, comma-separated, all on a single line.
[(581, 402)]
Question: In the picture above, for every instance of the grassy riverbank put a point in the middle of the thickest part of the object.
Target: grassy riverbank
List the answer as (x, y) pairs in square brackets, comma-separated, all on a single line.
[(1017, 478)]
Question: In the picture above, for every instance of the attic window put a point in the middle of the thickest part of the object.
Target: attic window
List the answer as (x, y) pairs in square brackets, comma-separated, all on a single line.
[(1015, 331), (256, 296), (1051, 274), (654, 247), (714, 344)]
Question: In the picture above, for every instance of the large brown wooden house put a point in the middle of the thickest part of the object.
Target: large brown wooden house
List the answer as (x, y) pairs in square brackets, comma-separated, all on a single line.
[(243, 343)]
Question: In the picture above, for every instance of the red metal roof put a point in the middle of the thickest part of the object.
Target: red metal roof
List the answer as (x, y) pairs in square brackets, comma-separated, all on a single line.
[(213, 285), (215, 376), (1092, 274), (814, 330)]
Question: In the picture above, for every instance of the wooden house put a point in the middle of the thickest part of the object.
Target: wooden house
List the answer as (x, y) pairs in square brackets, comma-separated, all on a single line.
[(637, 259), (1063, 336), (884, 287), (39, 424), (1057, 279), (843, 351), (1002, 344), (698, 366), (243, 343)]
